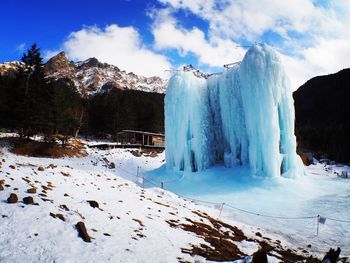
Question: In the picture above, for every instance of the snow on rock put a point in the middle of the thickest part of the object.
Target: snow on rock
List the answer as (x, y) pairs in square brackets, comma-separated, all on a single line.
[(243, 116), (91, 76)]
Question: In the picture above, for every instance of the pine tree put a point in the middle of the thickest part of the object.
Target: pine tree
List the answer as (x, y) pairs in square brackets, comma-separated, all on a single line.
[(33, 57), (29, 98), (67, 108)]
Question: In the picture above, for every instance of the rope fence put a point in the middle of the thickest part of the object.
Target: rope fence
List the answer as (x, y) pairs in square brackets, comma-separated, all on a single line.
[(220, 206)]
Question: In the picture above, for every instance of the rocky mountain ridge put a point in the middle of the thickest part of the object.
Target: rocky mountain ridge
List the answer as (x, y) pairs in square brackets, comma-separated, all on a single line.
[(92, 76)]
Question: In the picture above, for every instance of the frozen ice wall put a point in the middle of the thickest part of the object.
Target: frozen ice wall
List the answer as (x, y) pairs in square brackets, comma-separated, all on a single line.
[(245, 116), (269, 113), (188, 123)]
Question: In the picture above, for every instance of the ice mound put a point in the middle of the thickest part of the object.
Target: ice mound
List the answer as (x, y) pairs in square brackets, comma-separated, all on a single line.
[(244, 116)]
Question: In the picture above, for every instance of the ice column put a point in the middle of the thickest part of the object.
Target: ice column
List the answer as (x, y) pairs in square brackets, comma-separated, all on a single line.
[(269, 113), (188, 123), (245, 116)]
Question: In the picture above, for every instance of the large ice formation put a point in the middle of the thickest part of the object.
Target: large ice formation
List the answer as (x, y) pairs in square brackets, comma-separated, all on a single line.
[(244, 116)]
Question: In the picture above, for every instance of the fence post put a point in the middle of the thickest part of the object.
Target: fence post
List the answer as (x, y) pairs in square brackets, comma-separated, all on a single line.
[(162, 185), (221, 208), (318, 224), (137, 172), (143, 182)]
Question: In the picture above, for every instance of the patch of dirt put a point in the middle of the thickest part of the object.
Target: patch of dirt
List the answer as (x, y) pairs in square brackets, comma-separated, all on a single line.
[(222, 240), (32, 148)]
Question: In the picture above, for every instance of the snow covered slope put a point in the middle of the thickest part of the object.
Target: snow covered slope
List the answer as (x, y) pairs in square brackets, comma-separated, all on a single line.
[(130, 224)]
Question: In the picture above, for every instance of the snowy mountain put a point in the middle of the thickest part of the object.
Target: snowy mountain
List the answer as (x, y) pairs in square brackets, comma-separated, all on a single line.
[(91, 76), (9, 67)]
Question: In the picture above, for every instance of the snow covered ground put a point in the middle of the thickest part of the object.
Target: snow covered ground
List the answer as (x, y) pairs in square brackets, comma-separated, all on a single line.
[(319, 192), (132, 224)]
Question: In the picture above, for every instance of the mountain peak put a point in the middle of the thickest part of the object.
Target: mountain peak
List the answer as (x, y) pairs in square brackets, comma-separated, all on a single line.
[(92, 62), (92, 76), (59, 65)]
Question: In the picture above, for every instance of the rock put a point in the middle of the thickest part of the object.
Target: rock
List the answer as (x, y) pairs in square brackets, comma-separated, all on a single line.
[(52, 215), (2, 181), (28, 200), (13, 198), (260, 256), (1, 187), (52, 166), (65, 174), (307, 158), (332, 256), (153, 154), (41, 168), (31, 190), (60, 216), (136, 153), (111, 165), (64, 207), (93, 203), (12, 167), (80, 226), (258, 234)]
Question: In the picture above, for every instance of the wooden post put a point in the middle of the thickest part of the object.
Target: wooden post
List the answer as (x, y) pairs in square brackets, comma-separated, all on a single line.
[(162, 185), (318, 224), (222, 207)]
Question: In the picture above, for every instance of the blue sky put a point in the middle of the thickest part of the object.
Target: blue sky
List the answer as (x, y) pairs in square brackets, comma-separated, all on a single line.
[(311, 36), (49, 22)]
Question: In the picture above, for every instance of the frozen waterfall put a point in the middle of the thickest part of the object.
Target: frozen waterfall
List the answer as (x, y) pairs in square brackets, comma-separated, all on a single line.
[(244, 116)]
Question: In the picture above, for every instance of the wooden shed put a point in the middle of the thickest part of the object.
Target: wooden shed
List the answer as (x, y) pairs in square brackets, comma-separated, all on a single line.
[(141, 138)]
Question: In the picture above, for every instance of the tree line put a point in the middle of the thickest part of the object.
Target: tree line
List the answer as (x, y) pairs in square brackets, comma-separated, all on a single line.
[(323, 115), (34, 104)]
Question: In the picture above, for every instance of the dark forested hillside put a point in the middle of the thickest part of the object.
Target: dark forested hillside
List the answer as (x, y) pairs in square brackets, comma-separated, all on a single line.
[(129, 109), (33, 102), (322, 107)]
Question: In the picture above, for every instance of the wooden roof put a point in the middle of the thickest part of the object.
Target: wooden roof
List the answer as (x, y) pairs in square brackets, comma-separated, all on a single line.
[(142, 132)]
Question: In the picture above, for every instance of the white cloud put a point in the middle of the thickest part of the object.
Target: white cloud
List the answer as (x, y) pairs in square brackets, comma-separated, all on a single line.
[(21, 47), (215, 52), (313, 38), (325, 57), (120, 46), (251, 18)]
